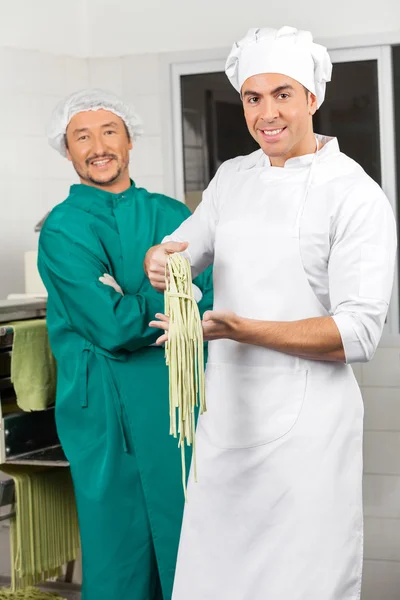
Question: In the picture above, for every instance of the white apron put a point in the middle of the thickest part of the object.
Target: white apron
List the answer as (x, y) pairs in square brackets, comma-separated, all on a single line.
[(277, 510)]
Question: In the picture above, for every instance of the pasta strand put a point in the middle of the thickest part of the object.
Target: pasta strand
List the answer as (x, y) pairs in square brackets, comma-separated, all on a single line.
[(184, 354)]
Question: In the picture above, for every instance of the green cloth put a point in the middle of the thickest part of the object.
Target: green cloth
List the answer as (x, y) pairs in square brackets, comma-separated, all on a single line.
[(112, 406), (33, 368), (44, 533), (27, 594)]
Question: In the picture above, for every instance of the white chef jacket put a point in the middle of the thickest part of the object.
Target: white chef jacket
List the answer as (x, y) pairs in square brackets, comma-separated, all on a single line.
[(347, 239)]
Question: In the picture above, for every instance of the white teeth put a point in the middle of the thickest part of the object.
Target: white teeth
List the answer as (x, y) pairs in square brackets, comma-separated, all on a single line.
[(274, 132), (101, 162)]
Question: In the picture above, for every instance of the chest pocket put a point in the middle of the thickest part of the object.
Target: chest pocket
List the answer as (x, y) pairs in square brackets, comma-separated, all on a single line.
[(251, 406)]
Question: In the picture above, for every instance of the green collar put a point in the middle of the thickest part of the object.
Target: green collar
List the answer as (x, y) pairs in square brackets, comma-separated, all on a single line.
[(89, 197)]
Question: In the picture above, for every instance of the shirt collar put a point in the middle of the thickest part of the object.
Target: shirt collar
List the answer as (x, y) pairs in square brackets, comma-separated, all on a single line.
[(93, 198), (328, 146)]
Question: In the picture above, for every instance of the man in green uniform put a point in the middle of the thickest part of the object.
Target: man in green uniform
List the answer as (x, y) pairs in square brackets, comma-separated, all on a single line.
[(112, 406)]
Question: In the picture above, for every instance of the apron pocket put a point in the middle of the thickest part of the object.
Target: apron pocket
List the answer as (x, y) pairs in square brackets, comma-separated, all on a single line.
[(251, 406)]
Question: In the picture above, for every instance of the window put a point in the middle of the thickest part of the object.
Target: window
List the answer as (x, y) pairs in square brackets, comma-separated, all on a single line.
[(350, 112), (210, 105)]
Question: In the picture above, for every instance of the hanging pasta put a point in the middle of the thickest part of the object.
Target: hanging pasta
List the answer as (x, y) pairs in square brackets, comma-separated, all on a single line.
[(28, 594), (184, 356), (44, 533)]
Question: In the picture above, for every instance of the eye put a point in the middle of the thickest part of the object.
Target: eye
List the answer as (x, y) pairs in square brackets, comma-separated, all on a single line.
[(82, 138), (283, 96), (109, 132), (253, 100)]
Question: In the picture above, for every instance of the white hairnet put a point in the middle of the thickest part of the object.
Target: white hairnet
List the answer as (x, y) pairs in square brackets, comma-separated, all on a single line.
[(89, 100), (287, 51)]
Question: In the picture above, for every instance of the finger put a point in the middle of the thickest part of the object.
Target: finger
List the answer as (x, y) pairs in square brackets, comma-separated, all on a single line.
[(210, 337), (156, 271), (162, 317), (217, 316), (105, 281), (162, 339), (208, 315), (207, 335), (159, 325), (157, 279), (172, 247), (158, 266), (155, 258)]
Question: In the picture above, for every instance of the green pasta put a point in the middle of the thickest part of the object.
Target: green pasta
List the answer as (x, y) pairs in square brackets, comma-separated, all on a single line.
[(27, 594), (44, 534), (184, 356)]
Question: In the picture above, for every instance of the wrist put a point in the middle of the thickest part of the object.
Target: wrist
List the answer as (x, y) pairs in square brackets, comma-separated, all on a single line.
[(240, 329)]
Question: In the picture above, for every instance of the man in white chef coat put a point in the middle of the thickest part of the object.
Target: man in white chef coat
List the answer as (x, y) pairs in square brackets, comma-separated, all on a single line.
[(303, 245)]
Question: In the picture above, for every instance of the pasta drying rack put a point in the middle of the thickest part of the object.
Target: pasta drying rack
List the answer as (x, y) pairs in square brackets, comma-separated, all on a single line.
[(26, 438)]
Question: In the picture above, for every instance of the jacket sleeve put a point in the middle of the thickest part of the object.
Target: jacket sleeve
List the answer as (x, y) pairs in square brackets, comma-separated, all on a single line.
[(70, 272), (361, 271), (199, 229)]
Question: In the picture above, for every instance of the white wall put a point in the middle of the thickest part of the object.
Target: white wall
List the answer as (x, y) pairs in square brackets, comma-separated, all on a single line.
[(33, 177), (136, 78), (161, 26), (48, 25), (121, 27), (380, 385)]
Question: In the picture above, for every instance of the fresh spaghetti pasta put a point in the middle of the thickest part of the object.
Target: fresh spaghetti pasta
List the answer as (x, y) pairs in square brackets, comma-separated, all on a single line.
[(44, 533), (27, 594), (184, 356)]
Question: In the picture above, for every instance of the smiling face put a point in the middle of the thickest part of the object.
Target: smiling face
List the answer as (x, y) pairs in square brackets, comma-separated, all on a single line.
[(98, 146), (278, 112)]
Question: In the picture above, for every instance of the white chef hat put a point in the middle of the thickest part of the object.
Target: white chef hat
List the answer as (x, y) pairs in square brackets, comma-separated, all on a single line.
[(83, 101), (287, 51)]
